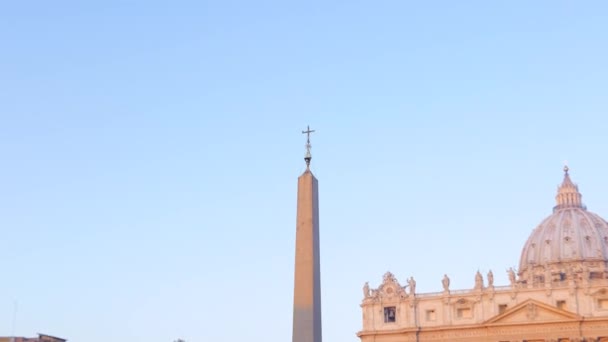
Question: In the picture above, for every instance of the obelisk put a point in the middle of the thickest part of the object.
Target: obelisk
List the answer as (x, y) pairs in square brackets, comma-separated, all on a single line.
[(307, 284)]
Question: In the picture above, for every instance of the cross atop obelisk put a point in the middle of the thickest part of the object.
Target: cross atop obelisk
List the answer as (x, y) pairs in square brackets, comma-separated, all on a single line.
[(307, 272), (308, 156)]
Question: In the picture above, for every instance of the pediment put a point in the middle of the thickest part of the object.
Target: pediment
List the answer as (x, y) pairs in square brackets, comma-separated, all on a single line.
[(390, 288), (463, 302), (601, 293), (533, 311)]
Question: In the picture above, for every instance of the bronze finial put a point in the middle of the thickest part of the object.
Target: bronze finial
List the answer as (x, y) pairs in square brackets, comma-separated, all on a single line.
[(308, 156)]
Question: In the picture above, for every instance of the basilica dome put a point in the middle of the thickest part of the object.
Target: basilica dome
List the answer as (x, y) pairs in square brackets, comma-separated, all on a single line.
[(571, 240)]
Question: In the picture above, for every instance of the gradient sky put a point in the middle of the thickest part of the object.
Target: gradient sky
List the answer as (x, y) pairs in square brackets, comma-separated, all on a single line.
[(150, 153)]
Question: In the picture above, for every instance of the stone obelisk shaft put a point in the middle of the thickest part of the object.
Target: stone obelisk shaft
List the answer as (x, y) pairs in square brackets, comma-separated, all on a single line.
[(307, 285)]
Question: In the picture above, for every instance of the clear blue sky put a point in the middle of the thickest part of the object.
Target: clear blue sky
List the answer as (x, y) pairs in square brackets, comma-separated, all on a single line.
[(150, 153)]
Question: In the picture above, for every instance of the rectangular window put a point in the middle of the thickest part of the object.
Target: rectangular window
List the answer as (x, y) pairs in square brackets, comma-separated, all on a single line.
[(502, 308), (431, 315), (390, 315), (561, 304), (464, 313), (602, 304)]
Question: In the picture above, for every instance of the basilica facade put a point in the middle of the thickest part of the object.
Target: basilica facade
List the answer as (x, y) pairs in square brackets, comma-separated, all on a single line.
[(559, 292)]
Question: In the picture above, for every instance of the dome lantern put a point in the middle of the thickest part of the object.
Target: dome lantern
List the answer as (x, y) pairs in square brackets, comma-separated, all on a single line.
[(567, 194)]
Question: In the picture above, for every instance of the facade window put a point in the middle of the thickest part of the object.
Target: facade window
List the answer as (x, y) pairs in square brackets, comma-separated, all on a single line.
[(561, 304), (596, 275), (602, 303), (464, 313), (390, 315), (431, 315), (502, 308)]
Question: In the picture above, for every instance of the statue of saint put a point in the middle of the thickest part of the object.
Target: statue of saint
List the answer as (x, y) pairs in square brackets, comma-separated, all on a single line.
[(478, 280), (511, 276), (412, 284), (446, 282), (490, 279), (366, 290)]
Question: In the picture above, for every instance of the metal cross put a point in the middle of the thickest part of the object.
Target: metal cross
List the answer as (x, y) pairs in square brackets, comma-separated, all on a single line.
[(307, 132), (308, 156)]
